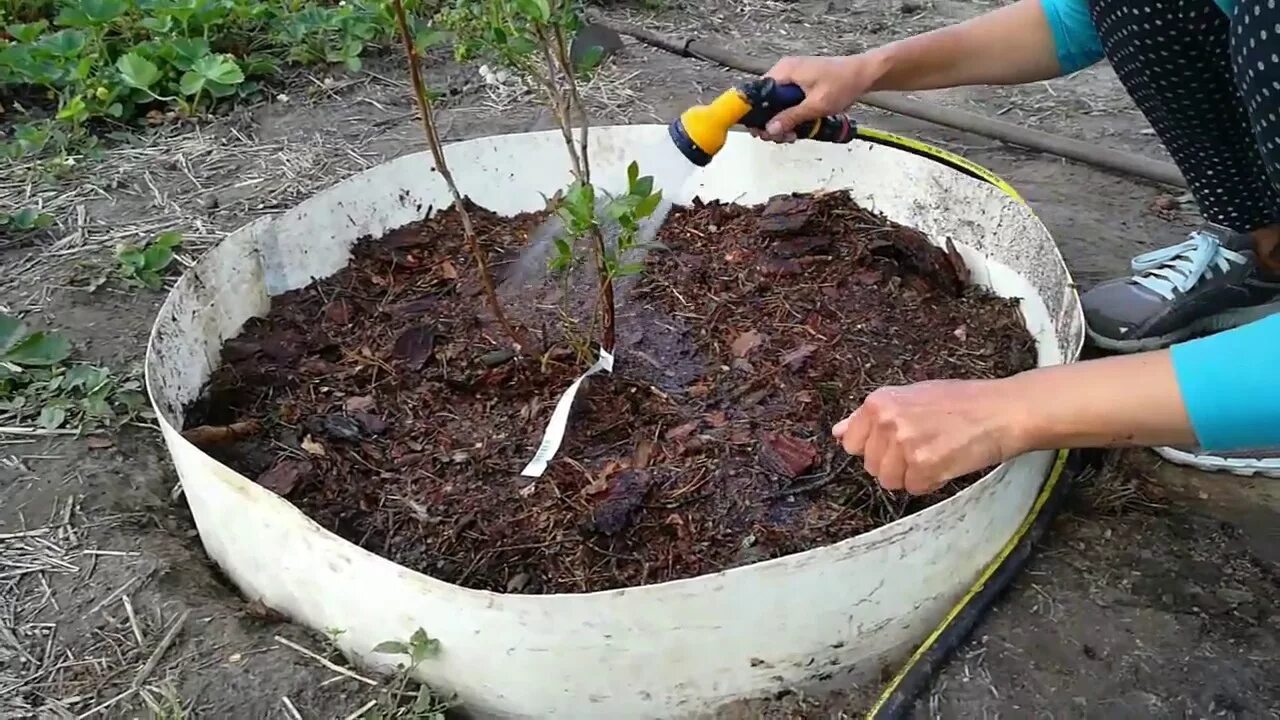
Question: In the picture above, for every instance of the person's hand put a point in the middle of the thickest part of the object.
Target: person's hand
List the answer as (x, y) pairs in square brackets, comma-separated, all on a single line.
[(830, 84), (919, 437)]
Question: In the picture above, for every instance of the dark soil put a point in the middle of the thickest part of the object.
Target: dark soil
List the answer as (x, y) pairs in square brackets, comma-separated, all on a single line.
[(380, 400)]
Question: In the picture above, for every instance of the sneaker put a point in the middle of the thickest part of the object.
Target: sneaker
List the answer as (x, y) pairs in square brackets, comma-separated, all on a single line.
[(1264, 462), (1209, 283)]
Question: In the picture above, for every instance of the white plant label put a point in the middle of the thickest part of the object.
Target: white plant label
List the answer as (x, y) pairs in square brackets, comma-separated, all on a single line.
[(560, 419)]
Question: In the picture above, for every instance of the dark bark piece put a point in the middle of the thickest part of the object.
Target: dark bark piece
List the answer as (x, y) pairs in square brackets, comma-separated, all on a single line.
[(415, 346), (801, 247), (787, 455), (942, 269), (283, 477), (617, 510), (785, 214), (335, 427)]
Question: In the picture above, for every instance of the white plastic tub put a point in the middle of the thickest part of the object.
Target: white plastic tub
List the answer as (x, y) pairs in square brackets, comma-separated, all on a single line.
[(658, 651)]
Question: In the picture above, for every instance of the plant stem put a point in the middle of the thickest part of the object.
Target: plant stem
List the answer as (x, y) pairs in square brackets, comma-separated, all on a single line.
[(437, 152), (557, 42), (575, 100)]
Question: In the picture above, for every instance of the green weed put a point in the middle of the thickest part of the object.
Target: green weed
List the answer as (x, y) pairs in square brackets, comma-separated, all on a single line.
[(404, 698), (25, 220), (40, 384), (144, 266)]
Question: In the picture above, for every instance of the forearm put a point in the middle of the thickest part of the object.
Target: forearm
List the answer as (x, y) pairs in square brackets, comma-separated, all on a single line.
[(1011, 45), (1122, 401), (1218, 392)]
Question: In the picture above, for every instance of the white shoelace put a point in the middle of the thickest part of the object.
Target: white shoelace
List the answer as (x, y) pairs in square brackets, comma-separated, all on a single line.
[(1176, 269)]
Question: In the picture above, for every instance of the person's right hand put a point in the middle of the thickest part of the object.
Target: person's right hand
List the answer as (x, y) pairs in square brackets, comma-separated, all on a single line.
[(830, 84)]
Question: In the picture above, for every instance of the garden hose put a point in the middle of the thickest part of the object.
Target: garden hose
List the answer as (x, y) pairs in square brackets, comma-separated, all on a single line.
[(700, 132), (917, 673)]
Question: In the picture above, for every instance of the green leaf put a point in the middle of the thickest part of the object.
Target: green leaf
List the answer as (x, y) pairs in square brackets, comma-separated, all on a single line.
[(74, 110), (191, 83), (188, 51), (27, 32), (590, 59), (52, 417), (159, 25), (137, 71), (65, 43), (630, 269), (39, 349), (10, 331), (391, 647), (220, 69), (645, 207), (428, 38), (643, 186), (633, 172), (101, 12), (29, 218)]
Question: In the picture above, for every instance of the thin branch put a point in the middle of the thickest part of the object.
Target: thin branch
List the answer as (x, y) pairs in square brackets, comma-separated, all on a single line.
[(437, 152)]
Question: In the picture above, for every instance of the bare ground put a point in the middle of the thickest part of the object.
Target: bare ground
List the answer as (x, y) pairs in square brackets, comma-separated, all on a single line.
[(1152, 598)]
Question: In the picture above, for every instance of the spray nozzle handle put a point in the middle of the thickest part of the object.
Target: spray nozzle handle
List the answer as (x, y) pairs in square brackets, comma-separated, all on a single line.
[(767, 98)]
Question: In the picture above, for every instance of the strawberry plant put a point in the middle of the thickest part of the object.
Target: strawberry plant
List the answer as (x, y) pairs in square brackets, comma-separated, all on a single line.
[(39, 384), (87, 61), (145, 265)]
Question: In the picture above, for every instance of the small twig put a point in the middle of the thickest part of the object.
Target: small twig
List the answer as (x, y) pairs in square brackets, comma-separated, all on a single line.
[(360, 711), (169, 636), (15, 430), (133, 619), (820, 482), (334, 667), (289, 708)]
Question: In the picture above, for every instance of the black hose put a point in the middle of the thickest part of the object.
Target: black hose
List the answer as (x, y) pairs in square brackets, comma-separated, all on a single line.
[(915, 677)]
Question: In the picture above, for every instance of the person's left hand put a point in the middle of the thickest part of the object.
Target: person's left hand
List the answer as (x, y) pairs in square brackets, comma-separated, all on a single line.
[(919, 437)]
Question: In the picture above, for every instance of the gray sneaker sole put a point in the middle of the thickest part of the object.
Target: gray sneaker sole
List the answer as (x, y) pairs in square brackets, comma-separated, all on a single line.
[(1211, 324), (1244, 467)]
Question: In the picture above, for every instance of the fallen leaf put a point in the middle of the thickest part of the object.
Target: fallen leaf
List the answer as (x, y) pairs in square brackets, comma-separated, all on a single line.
[(97, 442), (717, 419), (337, 312), (786, 455), (311, 446), (415, 346), (746, 342), (260, 610), (372, 424), (644, 451), (681, 432), (448, 271), (358, 403), (284, 476), (795, 359), (319, 366), (961, 333)]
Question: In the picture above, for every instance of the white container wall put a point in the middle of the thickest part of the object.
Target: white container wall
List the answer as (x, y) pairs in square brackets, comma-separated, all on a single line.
[(659, 651)]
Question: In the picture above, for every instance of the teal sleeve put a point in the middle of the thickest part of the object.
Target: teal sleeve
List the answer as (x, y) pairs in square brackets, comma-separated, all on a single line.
[(1230, 386), (1074, 37)]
